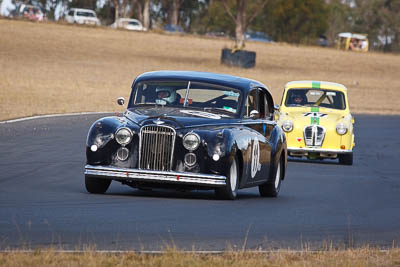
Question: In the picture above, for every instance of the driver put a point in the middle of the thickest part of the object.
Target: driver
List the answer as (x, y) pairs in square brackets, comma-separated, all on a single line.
[(165, 95), (298, 98)]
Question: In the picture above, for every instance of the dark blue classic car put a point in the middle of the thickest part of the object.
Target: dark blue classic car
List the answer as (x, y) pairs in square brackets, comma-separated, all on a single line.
[(190, 130)]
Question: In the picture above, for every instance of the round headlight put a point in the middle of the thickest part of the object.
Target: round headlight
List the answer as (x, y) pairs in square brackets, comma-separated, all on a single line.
[(123, 136), (191, 141), (287, 126), (341, 128)]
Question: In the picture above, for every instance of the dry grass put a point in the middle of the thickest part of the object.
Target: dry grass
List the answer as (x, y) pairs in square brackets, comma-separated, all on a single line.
[(51, 68), (358, 257)]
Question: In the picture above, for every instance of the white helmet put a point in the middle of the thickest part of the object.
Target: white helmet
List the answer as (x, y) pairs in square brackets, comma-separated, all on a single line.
[(167, 94)]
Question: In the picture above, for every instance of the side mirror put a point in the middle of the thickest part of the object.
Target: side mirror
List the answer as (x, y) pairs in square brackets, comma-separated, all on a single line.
[(254, 114), (276, 107), (121, 101)]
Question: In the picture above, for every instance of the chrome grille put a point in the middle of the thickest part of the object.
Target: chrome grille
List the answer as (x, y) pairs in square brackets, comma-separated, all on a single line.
[(156, 147), (314, 135)]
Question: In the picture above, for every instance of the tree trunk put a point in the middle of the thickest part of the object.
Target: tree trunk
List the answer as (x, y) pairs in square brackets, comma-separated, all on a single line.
[(175, 12), (116, 6), (139, 11), (240, 23), (146, 14), (124, 9)]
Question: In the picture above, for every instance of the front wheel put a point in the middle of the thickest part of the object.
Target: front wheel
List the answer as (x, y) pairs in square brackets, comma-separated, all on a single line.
[(272, 189), (346, 159), (96, 185), (229, 191)]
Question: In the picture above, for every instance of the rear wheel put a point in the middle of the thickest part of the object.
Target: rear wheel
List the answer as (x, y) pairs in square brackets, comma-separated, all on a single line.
[(96, 185), (346, 159), (229, 191), (272, 189)]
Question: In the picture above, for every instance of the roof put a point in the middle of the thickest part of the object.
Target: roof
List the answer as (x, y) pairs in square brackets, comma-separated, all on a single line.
[(205, 77), (352, 35), (82, 9), (128, 19), (316, 84)]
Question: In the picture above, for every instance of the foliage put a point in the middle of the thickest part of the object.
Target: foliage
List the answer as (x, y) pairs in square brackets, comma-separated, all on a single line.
[(217, 20), (298, 21), (339, 19), (290, 21), (380, 20)]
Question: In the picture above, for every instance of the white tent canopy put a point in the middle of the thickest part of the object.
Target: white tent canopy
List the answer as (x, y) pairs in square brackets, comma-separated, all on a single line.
[(352, 35)]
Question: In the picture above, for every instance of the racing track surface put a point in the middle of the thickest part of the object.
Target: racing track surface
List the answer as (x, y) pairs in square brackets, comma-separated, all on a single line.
[(43, 201)]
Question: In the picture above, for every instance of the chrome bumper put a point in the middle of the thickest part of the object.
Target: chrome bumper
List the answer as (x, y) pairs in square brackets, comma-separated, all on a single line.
[(328, 153), (155, 176)]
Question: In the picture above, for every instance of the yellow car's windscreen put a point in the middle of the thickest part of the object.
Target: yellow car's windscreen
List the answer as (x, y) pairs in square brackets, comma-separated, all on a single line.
[(315, 97)]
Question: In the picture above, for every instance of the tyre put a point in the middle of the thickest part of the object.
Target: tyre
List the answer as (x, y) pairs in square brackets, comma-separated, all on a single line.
[(272, 189), (346, 159), (229, 191), (96, 185)]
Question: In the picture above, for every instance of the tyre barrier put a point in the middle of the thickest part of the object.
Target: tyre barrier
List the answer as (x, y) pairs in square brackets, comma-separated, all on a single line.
[(238, 58)]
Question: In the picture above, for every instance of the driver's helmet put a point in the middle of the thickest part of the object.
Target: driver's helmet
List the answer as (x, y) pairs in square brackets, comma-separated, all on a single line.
[(298, 97), (167, 94)]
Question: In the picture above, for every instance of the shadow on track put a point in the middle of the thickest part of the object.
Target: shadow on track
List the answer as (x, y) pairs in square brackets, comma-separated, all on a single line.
[(315, 161)]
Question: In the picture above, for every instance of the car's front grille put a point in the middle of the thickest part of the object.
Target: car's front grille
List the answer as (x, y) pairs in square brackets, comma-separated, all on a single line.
[(156, 147), (314, 135)]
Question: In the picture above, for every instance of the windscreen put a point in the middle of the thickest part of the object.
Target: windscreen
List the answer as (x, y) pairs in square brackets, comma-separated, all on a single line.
[(85, 14), (186, 94), (315, 97)]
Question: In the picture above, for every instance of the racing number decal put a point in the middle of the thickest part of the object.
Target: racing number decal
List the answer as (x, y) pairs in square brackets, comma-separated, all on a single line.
[(255, 159)]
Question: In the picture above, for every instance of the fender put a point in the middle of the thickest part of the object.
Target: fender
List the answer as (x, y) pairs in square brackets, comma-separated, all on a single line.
[(101, 134), (278, 138)]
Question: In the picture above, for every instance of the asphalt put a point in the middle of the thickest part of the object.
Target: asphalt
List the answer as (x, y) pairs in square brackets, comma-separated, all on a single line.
[(43, 201)]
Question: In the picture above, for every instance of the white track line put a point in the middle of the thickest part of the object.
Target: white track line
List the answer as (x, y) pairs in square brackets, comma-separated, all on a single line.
[(53, 115)]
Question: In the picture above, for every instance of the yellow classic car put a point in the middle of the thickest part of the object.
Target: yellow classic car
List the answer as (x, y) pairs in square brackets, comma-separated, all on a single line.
[(316, 119)]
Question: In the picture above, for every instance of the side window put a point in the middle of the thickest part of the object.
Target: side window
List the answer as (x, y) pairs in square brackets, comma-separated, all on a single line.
[(269, 106), (261, 101), (71, 13), (251, 102), (265, 106)]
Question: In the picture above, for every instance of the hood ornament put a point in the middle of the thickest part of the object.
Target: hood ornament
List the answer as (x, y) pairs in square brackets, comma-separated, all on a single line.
[(158, 121)]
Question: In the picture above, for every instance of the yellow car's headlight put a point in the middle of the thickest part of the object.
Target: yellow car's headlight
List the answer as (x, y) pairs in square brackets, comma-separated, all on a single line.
[(287, 126), (341, 128)]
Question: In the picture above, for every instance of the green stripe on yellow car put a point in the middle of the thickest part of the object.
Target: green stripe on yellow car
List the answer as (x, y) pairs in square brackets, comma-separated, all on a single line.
[(315, 120), (316, 85), (314, 109)]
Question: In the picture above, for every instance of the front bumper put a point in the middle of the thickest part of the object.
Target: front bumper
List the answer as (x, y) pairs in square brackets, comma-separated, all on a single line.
[(326, 153), (170, 177)]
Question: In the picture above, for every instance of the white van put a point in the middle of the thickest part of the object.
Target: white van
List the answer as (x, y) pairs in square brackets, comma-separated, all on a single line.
[(82, 16)]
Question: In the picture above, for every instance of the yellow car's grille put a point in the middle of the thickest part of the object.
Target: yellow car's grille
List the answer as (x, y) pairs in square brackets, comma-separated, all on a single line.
[(314, 135)]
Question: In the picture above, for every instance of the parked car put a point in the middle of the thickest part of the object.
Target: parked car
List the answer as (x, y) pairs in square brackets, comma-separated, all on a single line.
[(128, 24), (316, 118), (190, 130), (30, 12), (82, 16), (172, 28), (258, 37)]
